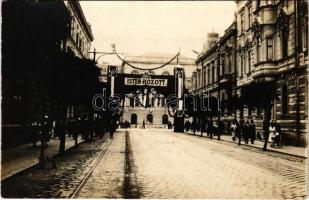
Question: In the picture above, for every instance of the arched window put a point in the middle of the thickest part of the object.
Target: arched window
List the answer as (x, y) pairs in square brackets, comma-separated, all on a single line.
[(164, 119), (150, 118), (133, 118), (134, 72), (165, 73)]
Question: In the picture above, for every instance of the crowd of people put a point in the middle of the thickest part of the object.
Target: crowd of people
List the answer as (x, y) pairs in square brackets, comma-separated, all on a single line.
[(240, 130), (84, 126)]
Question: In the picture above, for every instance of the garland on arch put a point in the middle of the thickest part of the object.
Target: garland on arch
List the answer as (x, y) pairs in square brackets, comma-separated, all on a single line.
[(135, 67)]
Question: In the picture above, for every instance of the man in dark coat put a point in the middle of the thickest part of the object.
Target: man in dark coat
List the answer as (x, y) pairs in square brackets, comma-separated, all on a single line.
[(210, 128), (238, 132), (45, 137), (76, 129), (252, 131), (60, 130), (246, 132), (113, 124)]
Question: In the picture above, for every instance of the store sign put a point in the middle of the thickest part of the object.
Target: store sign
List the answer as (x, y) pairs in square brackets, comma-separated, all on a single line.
[(146, 82)]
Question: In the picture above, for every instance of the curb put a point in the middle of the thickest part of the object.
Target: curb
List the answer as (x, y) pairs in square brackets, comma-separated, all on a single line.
[(269, 150), (34, 166)]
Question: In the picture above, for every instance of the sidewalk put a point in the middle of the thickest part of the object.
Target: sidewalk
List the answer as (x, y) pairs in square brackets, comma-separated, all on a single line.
[(22, 157), (290, 150)]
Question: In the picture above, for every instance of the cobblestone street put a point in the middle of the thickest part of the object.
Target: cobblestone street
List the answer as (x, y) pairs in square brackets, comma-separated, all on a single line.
[(171, 165), (164, 164)]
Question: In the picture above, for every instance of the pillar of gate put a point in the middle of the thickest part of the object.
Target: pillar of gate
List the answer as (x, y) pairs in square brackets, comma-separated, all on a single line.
[(179, 87), (112, 71)]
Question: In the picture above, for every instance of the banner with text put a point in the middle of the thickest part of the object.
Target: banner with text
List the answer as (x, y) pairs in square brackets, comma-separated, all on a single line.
[(145, 82)]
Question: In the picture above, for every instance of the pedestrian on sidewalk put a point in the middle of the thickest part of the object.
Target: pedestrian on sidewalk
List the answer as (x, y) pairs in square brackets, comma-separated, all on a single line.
[(252, 131), (210, 128), (220, 129), (265, 134), (278, 133), (143, 126), (233, 129), (203, 126), (246, 131), (241, 128), (238, 132), (60, 129), (45, 137), (194, 126), (34, 128), (113, 123), (70, 125), (76, 130), (272, 133), (215, 128), (187, 125)]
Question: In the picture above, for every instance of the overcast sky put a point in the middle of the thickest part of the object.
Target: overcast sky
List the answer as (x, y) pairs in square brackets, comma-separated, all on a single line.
[(165, 27)]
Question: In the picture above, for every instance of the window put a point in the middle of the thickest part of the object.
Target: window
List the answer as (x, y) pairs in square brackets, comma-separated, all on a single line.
[(77, 38), (241, 65), (164, 119), (284, 99), (204, 75), (249, 62), (222, 71), (258, 49), (208, 75), (269, 2), (133, 118), (165, 73), (269, 44), (284, 40), (249, 16), (242, 23), (149, 118), (213, 73), (304, 33)]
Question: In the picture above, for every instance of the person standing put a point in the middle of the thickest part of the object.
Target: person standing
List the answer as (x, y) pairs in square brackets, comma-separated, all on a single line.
[(238, 132), (194, 126), (246, 131), (272, 133), (252, 131), (233, 129), (113, 123), (210, 128), (60, 130), (77, 126), (45, 136), (143, 127), (265, 134), (278, 133)]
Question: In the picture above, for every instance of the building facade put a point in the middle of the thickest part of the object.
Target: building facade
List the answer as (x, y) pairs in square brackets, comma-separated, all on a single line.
[(149, 104), (79, 41), (271, 65), (216, 72), (30, 48)]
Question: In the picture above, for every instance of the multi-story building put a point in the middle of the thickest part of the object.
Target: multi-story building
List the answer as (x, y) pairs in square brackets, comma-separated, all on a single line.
[(215, 75), (79, 41), (29, 45), (271, 56), (272, 59)]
